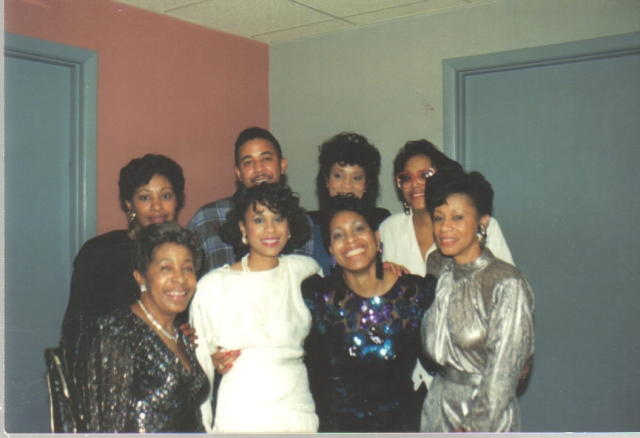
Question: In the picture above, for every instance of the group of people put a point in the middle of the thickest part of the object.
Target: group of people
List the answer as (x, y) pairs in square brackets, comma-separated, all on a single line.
[(262, 317)]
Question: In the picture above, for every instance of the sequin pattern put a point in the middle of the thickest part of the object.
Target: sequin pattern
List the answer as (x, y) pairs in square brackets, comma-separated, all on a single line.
[(361, 352), (128, 380)]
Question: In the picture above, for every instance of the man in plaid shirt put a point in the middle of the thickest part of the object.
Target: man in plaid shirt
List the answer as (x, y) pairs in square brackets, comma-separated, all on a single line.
[(258, 159)]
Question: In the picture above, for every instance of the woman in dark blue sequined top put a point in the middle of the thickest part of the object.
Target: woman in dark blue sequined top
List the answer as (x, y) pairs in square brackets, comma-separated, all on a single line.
[(365, 336), (133, 371)]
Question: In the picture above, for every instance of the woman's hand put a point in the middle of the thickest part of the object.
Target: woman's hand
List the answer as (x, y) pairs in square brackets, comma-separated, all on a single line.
[(190, 333), (399, 270), (223, 360)]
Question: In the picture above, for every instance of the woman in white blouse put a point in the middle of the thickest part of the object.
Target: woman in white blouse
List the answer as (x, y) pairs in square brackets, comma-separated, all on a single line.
[(251, 320), (408, 237)]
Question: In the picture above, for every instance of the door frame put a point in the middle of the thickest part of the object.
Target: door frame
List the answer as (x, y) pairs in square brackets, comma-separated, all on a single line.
[(83, 64), (457, 70)]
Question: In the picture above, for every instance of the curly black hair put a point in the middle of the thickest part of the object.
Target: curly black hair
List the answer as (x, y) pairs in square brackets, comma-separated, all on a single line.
[(348, 148), (278, 198), (139, 172), (152, 236), (341, 203), (421, 147), (452, 182)]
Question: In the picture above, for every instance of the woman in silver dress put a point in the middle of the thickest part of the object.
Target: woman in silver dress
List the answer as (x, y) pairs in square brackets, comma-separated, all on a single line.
[(480, 326)]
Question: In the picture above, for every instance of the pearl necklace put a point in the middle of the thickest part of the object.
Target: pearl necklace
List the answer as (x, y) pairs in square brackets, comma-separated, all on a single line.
[(245, 264), (157, 325)]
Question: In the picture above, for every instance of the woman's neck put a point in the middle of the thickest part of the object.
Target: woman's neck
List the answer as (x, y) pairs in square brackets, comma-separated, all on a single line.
[(365, 283), (468, 257)]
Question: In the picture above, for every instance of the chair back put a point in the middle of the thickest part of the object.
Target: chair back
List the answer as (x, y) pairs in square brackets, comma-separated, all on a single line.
[(64, 409)]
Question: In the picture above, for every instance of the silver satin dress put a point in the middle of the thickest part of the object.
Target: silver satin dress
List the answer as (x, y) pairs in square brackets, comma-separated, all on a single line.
[(480, 330)]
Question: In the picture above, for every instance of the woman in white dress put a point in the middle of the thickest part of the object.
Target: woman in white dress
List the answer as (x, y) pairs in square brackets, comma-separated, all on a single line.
[(251, 320)]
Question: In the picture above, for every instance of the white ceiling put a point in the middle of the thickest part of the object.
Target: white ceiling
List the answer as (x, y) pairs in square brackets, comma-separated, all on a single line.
[(271, 21)]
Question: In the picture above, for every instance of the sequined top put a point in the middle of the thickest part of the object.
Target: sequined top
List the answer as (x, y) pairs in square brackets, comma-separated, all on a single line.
[(480, 328), (361, 352), (128, 380)]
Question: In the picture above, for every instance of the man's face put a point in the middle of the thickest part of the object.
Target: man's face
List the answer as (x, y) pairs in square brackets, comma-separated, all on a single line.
[(258, 162)]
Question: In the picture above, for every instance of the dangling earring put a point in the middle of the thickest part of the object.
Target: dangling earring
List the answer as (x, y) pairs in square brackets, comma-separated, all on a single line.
[(244, 240), (289, 235), (407, 208), (332, 262), (143, 288), (482, 235), (131, 216), (379, 265)]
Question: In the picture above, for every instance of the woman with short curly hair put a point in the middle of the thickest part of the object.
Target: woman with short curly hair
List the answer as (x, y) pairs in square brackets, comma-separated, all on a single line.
[(151, 192), (133, 370), (349, 164), (251, 320)]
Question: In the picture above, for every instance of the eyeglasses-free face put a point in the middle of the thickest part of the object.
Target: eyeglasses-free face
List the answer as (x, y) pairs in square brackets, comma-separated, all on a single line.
[(406, 178)]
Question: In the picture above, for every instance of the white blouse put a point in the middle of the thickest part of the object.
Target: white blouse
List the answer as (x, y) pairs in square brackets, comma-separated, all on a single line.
[(401, 244)]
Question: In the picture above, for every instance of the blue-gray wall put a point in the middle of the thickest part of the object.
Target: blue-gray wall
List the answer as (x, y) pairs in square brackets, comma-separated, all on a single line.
[(386, 82)]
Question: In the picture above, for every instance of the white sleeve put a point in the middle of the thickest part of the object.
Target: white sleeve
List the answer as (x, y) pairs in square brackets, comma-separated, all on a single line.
[(202, 320), (496, 242)]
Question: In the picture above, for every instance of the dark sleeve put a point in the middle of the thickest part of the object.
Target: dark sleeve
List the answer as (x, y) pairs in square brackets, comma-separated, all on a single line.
[(102, 280), (110, 373), (312, 295), (311, 291), (83, 280), (425, 290), (315, 355)]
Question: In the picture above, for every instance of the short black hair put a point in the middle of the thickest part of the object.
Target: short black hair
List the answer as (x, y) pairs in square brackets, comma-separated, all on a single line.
[(139, 171), (251, 134), (348, 148), (341, 203), (421, 147), (148, 238), (278, 198), (457, 182)]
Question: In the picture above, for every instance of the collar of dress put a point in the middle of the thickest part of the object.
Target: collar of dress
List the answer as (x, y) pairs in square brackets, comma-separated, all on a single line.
[(461, 271)]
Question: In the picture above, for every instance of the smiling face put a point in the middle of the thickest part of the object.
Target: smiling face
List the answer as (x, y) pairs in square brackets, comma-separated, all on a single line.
[(455, 226), (346, 179), (352, 242), (266, 231), (170, 281), (413, 193), (258, 162), (154, 202)]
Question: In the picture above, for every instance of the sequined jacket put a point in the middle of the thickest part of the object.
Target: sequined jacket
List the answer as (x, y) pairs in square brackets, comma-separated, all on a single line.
[(361, 352), (128, 380)]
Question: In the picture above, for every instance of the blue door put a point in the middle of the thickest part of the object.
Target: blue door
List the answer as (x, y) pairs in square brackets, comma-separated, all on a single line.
[(49, 209), (556, 131)]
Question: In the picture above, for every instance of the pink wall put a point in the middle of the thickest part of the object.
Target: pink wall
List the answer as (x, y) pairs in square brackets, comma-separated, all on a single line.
[(164, 86)]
